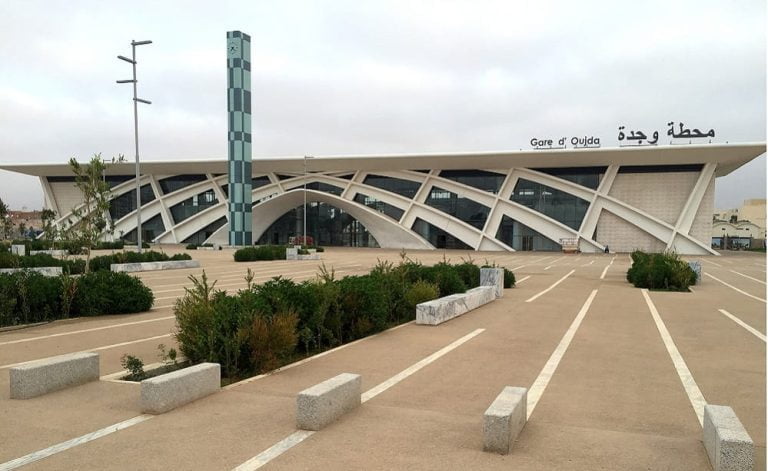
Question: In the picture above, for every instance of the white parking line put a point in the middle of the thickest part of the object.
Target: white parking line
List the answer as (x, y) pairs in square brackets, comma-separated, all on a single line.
[(747, 276), (748, 327), (63, 446), (602, 277), (588, 264), (735, 288), (94, 329), (534, 297), (105, 347), (691, 388), (300, 435), (540, 384), (522, 279), (713, 263)]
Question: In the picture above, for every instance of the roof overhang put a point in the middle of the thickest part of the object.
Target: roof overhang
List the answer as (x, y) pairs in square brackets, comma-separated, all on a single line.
[(728, 158)]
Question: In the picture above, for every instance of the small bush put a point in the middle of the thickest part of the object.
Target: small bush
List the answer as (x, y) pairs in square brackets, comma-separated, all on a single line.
[(420, 292), (191, 247), (263, 252), (273, 339), (660, 271), (509, 279), (106, 292), (135, 366), (74, 266)]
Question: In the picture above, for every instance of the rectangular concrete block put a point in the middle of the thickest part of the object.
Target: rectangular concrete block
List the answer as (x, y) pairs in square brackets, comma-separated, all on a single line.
[(153, 266), (728, 445), (446, 308), (493, 277), (323, 403), (52, 374), (53, 253), (504, 420), (18, 249), (696, 267), (45, 271), (171, 390), (292, 254)]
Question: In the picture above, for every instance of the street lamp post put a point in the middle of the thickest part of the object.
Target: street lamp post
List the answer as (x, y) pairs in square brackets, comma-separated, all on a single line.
[(304, 226), (136, 100)]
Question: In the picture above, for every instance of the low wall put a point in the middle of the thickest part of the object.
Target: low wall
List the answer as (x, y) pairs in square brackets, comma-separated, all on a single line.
[(446, 308), (493, 277), (52, 374), (504, 420), (171, 390), (728, 444), (55, 253), (46, 271), (153, 266), (323, 403)]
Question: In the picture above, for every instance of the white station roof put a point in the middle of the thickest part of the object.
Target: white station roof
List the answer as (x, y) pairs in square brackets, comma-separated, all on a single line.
[(728, 157)]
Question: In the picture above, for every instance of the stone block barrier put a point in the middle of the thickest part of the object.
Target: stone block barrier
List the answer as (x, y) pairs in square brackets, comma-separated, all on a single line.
[(54, 253), (292, 253), (446, 308), (504, 420), (52, 374), (493, 277), (696, 267), (18, 249), (45, 271), (171, 390), (324, 403), (728, 444), (153, 266)]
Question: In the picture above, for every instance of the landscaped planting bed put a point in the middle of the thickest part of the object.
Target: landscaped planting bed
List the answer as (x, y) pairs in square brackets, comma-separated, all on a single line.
[(269, 252), (660, 271), (73, 267), (103, 262)]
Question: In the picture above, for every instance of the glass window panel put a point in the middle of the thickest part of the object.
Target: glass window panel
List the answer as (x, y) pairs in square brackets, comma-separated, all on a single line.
[(257, 182), (521, 237), (392, 211), (397, 186), (125, 204), (480, 179), (149, 230), (585, 176), (559, 205), (438, 237), (324, 187), (203, 234), (177, 182), (193, 205), (465, 209)]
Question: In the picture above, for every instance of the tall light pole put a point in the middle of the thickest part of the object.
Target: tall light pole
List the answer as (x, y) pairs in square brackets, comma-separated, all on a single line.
[(304, 242), (136, 100)]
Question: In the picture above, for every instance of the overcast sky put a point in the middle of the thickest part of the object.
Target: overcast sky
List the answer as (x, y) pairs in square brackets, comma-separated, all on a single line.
[(354, 77)]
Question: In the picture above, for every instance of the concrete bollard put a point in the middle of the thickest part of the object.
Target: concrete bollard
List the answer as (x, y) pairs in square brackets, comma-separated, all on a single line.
[(728, 444), (292, 254), (52, 374), (446, 308), (504, 420), (493, 277), (171, 390), (324, 403)]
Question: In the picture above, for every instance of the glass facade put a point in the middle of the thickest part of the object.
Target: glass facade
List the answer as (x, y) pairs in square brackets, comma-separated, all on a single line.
[(471, 212), (149, 230), (203, 234), (397, 186), (480, 179), (521, 237), (328, 226), (558, 205), (257, 182), (324, 187), (191, 206), (438, 237), (177, 182), (585, 176), (385, 208), (125, 204)]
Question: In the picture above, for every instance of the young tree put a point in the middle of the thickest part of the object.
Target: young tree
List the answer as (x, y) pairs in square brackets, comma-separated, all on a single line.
[(6, 226), (50, 231), (22, 230), (90, 218)]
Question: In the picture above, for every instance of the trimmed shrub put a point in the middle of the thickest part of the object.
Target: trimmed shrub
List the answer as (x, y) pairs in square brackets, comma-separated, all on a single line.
[(273, 340), (106, 292), (420, 292), (103, 262), (509, 279), (262, 252), (660, 271), (191, 247), (73, 266), (469, 274)]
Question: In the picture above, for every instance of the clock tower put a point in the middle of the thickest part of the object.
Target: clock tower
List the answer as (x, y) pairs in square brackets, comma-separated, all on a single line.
[(239, 137)]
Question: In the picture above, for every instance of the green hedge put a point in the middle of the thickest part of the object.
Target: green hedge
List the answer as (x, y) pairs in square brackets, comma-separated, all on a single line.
[(73, 266), (31, 297), (102, 262), (262, 252), (660, 271), (254, 330)]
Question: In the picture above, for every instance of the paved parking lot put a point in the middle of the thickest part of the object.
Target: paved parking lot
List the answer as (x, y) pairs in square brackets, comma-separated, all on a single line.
[(605, 393)]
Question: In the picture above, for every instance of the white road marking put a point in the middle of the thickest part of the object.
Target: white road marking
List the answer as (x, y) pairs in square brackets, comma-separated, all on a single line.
[(548, 267), (713, 263), (380, 388), (540, 384), (517, 268), (63, 446), (588, 264), (749, 328), (534, 297), (522, 279), (735, 288), (94, 329), (602, 277), (691, 388), (105, 347), (300, 435), (275, 450), (747, 276)]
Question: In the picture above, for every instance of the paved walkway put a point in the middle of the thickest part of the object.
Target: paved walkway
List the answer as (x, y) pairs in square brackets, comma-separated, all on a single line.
[(614, 401)]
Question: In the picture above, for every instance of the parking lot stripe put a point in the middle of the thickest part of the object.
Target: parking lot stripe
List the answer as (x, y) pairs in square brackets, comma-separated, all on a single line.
[(588, 264), (300, 435), (63, 446), (534, 297), (94, 329), (602, 277), (105, 347), (715, 264), (691, 388), (749, 328), (735, 288), (540, 384), (522, 279), (747, 276)]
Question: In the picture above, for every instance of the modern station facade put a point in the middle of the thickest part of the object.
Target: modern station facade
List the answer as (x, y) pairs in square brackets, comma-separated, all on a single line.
[(651, 198)]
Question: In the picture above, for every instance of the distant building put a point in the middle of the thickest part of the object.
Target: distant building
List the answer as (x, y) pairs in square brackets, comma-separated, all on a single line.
[(31, 220), (741, 227)]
